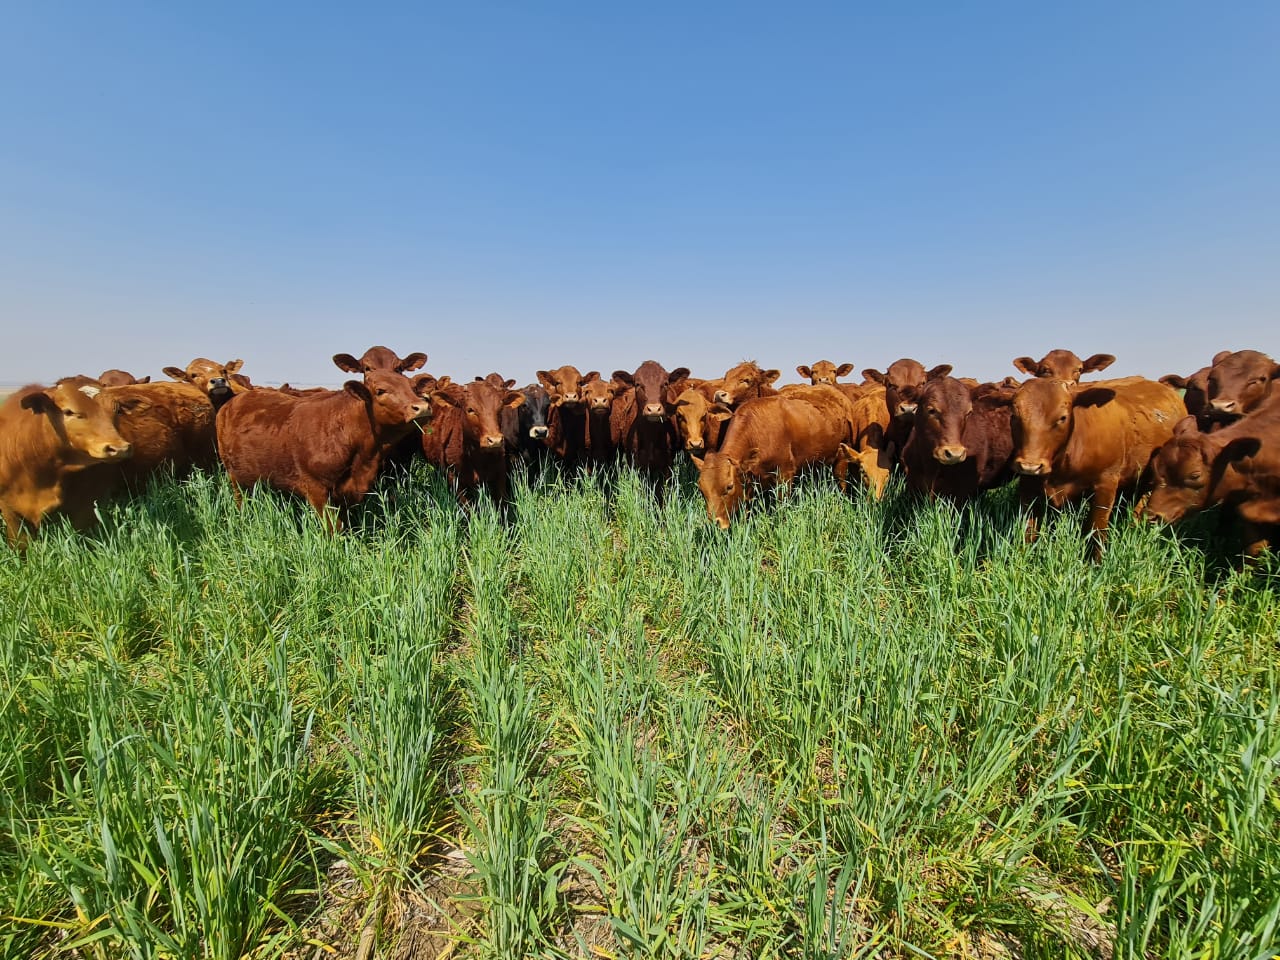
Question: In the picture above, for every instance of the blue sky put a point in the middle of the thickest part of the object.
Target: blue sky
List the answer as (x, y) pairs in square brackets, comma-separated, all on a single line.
[(515, 186)]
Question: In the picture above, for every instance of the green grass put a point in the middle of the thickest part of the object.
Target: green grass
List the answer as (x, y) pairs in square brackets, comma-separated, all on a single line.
[(595, 725)]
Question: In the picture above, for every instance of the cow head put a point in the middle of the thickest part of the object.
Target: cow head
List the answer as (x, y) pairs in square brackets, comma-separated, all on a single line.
[(943, 407), (85, 428), (215, 379), (1184, 470), (564, 385), (872, 465), (1195, 390), (1043, 417), (533, 414), (744, 382), (481, 404), (1063, 365), (598, 394), (721, 481), (696, 416), (119, 378), (379, 358), (497, 381), (1239, 382), (652, 384), (824, 371), (902, 381), (390, 398)]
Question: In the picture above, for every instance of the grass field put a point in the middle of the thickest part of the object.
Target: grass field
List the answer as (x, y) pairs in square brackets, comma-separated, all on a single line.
[(603, 728)]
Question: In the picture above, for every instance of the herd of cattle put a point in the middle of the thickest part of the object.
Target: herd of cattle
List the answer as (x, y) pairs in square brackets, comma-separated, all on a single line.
[(68, 447)]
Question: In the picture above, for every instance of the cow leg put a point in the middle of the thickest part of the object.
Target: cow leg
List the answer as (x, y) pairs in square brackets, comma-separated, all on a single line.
[(318, 497), (1257, 540), (1031, 502), (1104, 501)]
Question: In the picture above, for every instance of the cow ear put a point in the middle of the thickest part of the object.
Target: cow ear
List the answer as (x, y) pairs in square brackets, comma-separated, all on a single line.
[(358, 390), (697, 461), (175, 373), (39, 402), (804, 371), (875, 435), (1186, 427), (1026, 365), (1099, 361), (423, 384), (591, 377), (445, 397), (544, 378), (1239, 448), (848, 452), (345, 361), (413, 361), (1275, 371), (768, 376), (623, 377), (134, 404), (678, 374), (509, 382), (146, 379), (938, 372), (873, 374), (1220, 356), (720, 414), (233, 366), (443, 382), (844, 369), (1175, 381), (513, 399), (1094, 397)]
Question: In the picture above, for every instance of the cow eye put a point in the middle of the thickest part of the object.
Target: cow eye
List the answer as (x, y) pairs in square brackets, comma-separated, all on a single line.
[(67, 411), (1194, 476), (382, 393), (471, 411), (1061, 420)]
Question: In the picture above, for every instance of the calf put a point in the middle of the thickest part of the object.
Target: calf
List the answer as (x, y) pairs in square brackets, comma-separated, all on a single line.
[(1072, 440), (327, 448), (962, 440), (644, 417), (824, 371), (379, 358), (49, 435), (466, 441), (1238, 465), (1239, 382), (700, 423), (1063, 365), (768, 441), (746, 381), (219, 381)]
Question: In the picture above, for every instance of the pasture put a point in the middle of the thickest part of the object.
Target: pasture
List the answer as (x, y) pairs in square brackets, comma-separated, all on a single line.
[(601, 727)]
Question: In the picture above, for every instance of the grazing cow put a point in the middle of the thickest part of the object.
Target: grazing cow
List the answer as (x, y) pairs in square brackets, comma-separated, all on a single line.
[(901, 382), (962, 440), (219, 381), (120, 378), (600, 395), (644, 417), (567, 421), (1239, 382), (768, 441), (700, 422), (47, 436), (1195, 395), (1063, 365), (746, 381), (824, 371), (1238, 465), (466, 440), (379, 358), (1072, 440), (327, 448)]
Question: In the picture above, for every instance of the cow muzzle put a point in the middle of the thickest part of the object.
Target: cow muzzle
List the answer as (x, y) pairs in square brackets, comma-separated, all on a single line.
[(906, 409), (1223, 406), (654, 411), (491, 442), (722, 396), (419, 411), (1031, 468), (949, 456), (115, 451), (570, 400), (695, 446), (538, 433)]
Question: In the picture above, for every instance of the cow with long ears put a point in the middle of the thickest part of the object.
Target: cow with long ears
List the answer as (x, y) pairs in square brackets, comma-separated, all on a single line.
[(379, 358), (1063, 365), (962, 440), (746, 381), (567, 422), (466, 440), (824, 371), (1239, 382), (902, 381), (218, 380), (326, 448), (48, 436), (1076, 440), (644, 413)]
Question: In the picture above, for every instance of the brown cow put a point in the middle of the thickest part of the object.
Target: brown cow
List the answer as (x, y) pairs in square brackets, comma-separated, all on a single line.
[(746, 381), (326, 448), (119, 378), (962, 440), (901, 382), (567, 419), (700, 422), (218, 380), (824, 371), (1239, 382), (1195, 395), (769, 440), (379, 358), (1072, 440), (47, 436), (1063, 365), (466, 441), (644, 417), (603, 440), (166, 424), (1238, 465)]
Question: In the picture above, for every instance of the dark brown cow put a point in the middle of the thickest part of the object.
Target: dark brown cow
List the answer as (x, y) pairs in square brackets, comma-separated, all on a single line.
[(567, 421), (746, 381), (603, 440), (824, 371), (1239, 382), (326, 448), (1195, 395), (901, 382), (120, 378), (700, 422), (769, 440), (466, 440), (1063, 365), (48, 435), (218, 380), (379, 358), (644, 417), (962, 440), (1238, 465), (1072, 440)]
